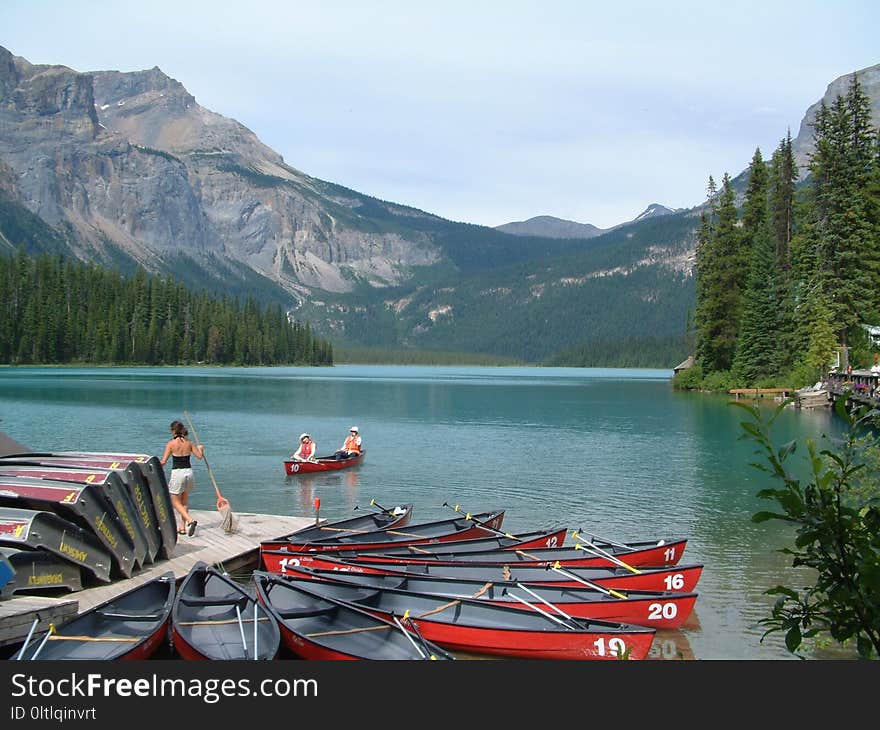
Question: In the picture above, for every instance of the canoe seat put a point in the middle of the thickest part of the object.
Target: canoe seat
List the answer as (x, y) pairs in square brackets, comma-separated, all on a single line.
[(131, 615), (304, 612), (213, 600)]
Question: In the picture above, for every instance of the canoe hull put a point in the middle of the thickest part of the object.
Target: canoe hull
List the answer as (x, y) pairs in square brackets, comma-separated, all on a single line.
[(420, 534), (679, 578), (324, 463), (477, 627), (215, 618), (131, 626)]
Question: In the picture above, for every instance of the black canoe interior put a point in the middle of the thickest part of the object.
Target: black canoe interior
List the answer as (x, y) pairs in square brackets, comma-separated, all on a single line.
[(477, 544), (114, 628), (511, 554), (408, 533), (455, 611), (337, 627), (205, 617), (368, 522)]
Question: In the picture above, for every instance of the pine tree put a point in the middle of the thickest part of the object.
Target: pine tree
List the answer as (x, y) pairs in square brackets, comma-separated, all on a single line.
[(755, 346)]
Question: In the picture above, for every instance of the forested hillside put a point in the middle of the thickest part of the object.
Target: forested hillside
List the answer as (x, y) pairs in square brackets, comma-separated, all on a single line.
[(54, 310), (791, 279)]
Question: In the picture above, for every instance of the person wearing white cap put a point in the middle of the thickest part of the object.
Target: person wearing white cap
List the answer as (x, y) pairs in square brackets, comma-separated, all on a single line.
[(307, 449), (351, 446)]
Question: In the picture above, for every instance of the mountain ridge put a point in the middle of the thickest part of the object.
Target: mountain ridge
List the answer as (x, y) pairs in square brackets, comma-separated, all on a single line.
[(127, 169)]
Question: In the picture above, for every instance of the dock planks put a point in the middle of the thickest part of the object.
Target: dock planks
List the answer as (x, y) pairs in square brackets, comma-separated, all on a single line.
[(210, 544)]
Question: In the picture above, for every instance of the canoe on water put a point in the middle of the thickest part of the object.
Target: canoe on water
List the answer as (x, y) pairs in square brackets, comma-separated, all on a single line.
[(659, 609), (456, 528), (682, 578), (321, 463), (214, 617), (132, 625), (653, 552), (313, 627), (393, 517), (482, 627), (272, 559)]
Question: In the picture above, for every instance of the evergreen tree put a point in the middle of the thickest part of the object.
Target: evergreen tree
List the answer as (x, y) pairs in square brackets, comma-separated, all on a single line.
[(721, 266), (756, 344)]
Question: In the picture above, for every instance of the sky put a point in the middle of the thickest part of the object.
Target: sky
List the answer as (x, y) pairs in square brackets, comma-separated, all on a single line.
[(484, 112)]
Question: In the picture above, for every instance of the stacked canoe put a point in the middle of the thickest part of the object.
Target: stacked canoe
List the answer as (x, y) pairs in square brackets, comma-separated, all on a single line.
[(69, 519)]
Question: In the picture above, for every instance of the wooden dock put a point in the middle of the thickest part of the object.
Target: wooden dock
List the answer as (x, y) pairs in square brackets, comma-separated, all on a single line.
[(760, 392), (210, 544)]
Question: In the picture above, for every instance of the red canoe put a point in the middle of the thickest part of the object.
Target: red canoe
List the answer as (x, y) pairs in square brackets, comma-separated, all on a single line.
[(272, 558), (322, 463), (456, 528), (659, 609), (654, 552), (397, 516), (483, 627), (679, 578)]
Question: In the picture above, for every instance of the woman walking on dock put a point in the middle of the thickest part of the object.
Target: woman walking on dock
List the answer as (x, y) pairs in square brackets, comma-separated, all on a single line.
[(179, 449)]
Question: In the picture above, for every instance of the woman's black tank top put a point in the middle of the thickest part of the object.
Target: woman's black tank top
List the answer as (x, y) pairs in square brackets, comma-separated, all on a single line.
[(180, 462)]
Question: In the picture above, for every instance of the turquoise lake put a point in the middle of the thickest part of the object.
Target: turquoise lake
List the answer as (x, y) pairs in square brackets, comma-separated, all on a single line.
[(617, 453)]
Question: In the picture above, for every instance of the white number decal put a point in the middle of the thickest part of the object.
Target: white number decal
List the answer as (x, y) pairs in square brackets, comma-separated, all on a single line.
[(657, 611), (288, 561), (615, 646), (674, 582), (552, 541), (669, 554)]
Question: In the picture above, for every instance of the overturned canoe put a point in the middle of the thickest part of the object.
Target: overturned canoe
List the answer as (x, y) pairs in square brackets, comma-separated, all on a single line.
[(145, 543), (142, 473), (83, 504), (40, 571), (24, 528)]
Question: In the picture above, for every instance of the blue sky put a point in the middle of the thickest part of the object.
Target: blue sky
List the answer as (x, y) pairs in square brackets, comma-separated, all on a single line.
[(484, 112)]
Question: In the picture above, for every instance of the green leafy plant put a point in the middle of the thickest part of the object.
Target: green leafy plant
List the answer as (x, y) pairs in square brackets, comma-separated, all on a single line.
[(837, 525)]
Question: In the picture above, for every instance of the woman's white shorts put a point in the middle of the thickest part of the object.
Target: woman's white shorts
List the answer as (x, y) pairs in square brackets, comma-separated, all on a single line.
[(181, 481)]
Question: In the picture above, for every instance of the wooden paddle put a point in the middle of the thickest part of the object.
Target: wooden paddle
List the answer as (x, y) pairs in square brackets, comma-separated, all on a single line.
[(483, 525), (596, 550), (229, 523)]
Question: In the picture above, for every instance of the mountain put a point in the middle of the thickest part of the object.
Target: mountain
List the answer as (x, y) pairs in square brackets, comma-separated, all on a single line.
[(869, 79), (547, 225), (127, 169), (550, 227)]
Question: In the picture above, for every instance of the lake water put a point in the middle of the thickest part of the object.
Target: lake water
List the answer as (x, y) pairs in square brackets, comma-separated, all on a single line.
[(615, 452)]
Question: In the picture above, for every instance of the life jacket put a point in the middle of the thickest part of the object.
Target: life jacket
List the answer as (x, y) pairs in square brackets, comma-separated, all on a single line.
[(306, 449), (351, 444)]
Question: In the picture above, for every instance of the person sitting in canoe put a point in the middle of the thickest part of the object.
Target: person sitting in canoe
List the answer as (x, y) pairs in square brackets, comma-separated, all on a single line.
[(352, 445), (306, 450)]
